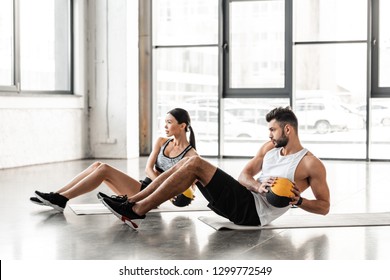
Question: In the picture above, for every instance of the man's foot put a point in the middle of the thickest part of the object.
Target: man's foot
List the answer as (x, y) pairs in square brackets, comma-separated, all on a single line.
[(36, 200), (124, 212), (116, 198), (54, 200)]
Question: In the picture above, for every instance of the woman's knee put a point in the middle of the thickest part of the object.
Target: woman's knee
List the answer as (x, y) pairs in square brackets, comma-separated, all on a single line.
[(103, 168), (95, 165)]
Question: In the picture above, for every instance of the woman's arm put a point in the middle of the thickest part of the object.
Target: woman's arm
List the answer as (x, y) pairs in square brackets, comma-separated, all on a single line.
[(150, 171)]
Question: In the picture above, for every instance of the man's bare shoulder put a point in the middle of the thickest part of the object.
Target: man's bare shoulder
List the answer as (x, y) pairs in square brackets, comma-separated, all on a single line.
[(311, 161)]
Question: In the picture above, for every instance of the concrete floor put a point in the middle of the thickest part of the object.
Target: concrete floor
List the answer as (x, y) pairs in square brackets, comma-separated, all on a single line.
[(32, 232)]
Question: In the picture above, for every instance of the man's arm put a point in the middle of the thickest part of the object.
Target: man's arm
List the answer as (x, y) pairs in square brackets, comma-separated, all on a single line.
[(252, 168), (320, 189)]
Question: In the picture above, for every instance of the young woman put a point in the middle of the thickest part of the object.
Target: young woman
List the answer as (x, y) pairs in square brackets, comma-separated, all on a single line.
[(166, 152)]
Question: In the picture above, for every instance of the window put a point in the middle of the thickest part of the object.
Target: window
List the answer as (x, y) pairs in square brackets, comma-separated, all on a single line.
[(257, 60), (257, 48), (260, 54), (244, 125), (42, 38), (380, 128), (6, 44), (330, 76), (185, 70), (381, 49)]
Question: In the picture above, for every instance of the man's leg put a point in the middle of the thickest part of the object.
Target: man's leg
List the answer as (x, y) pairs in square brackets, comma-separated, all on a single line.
[(175, 182), (157, 181), (167, 185)]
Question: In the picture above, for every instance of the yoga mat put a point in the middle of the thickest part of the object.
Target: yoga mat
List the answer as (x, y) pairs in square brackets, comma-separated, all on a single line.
[(307, 221), (99, 208)]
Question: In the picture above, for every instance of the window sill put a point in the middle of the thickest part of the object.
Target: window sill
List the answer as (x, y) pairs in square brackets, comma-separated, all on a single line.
[(41, 101)]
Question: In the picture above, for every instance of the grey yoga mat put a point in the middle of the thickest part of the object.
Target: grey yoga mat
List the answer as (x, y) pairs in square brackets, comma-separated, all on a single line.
[(306, 221)]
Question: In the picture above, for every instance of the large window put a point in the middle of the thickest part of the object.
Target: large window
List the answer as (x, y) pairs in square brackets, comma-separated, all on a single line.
[(185, 41), (381, 49), (379, 109), (6, 43), (331, 76), (302, 53), (35, 46), (257, 48), (384, 45)]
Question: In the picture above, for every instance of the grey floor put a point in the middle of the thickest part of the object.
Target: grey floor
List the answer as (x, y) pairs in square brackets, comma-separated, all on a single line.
[(29, 231)]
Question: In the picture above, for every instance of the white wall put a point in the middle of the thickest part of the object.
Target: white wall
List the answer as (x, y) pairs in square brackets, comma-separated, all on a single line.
[(41, 129), (113, 79), (96, 121), (132, 79)]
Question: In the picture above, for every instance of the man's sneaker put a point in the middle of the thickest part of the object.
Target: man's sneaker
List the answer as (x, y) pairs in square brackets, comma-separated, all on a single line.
[(36, 200), (117, 198), (124, 211), (54, 200)]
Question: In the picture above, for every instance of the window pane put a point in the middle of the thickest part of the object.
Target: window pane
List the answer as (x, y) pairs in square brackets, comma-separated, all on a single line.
[(185, 22), (330, 20), (257, 45), (45, 43), (330, 85), (245, 128), (188, 78), (6, 43), (384, 44), (380, 128)]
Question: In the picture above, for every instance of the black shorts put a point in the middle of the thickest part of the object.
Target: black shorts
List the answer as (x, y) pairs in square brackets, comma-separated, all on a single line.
[(229, 199), (145, 182)]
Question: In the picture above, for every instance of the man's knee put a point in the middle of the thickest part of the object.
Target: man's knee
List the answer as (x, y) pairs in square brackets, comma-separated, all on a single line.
[(195, 164), (178, 165)]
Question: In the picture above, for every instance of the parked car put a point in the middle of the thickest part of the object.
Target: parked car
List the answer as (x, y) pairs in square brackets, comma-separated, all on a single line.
[(380, 114), (249, 113), (208, 101), (325, 116), (205, 123)]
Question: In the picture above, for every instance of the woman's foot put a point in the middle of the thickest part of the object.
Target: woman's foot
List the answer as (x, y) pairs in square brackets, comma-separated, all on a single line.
[(55, 200)]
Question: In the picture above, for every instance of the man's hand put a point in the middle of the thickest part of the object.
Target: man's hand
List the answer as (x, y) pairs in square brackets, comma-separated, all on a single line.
[(262, 187), (297, 195)]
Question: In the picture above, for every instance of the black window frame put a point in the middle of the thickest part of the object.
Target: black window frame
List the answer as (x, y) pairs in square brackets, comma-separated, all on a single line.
[(376, 91), (15, 88), (286, 91)]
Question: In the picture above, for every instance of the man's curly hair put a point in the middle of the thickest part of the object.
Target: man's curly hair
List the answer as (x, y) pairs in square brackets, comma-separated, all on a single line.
[(283, 116)]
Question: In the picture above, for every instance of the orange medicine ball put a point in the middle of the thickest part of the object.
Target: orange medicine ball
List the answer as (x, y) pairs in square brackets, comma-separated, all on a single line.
[(184, 199), (279, 194)]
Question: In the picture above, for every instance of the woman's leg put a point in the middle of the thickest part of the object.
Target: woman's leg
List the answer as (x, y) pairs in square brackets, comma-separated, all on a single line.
[(80, 177), (116, 180)]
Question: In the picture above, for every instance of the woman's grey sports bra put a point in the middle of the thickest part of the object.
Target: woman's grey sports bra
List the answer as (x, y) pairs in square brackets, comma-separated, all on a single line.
[(163, 162)]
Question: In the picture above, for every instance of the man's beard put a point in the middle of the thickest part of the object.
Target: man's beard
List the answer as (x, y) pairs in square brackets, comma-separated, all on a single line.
[(282, 142)]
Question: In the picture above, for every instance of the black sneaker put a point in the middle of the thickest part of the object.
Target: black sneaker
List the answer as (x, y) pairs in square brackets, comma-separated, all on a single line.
[(117, 198), (36, 200), (124, 212), (54, 200)]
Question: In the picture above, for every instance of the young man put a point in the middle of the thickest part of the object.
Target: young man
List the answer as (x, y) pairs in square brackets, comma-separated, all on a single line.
[(242, 202)]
